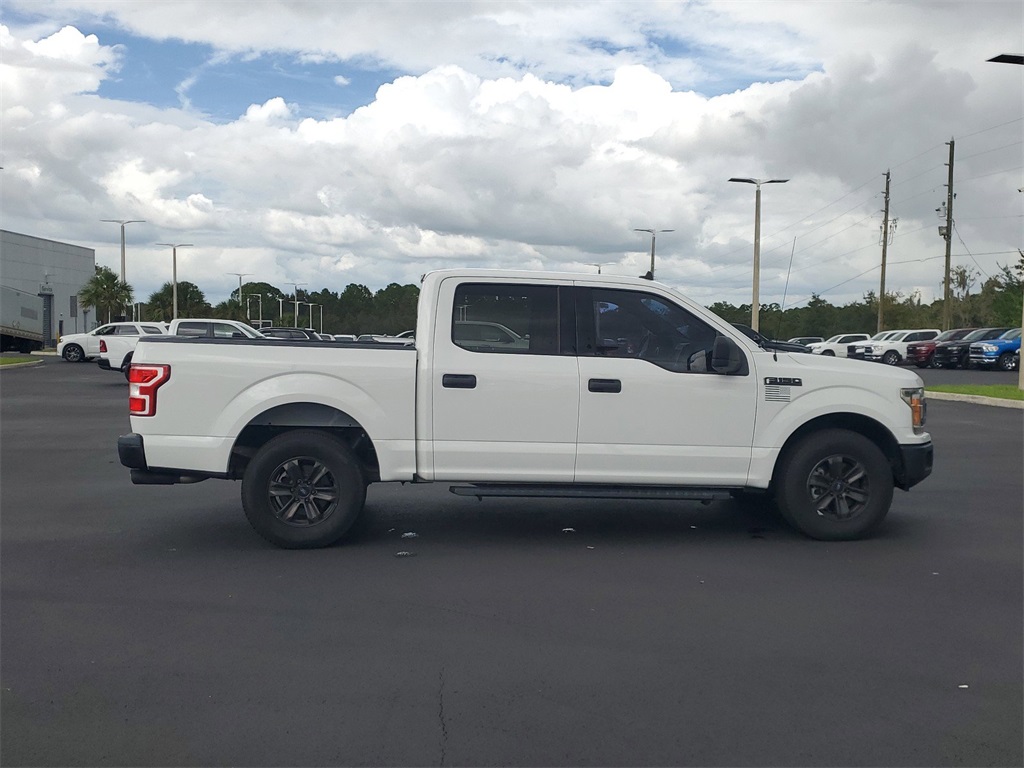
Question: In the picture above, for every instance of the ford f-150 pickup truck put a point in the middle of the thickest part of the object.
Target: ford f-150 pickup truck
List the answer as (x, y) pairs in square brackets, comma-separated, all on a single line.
[(605, 387)]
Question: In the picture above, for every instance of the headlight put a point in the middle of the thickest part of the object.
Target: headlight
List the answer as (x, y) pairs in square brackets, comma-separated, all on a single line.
[(914, 397), (989, 348)]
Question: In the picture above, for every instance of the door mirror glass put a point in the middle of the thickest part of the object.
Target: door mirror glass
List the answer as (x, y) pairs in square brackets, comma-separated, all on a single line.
[(726, 357)]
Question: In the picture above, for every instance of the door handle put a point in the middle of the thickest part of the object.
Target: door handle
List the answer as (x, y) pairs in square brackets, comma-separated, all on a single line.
[(458, 381), (604, 385)]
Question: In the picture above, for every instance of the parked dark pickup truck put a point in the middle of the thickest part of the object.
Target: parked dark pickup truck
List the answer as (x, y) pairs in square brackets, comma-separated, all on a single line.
[(920, 353), (956, 354)]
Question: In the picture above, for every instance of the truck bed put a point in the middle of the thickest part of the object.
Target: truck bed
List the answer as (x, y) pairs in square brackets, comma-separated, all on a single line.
[(220, 387)]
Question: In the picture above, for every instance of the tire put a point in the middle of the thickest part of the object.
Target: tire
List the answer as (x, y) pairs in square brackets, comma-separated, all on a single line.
[(1006, 362), (892, 357), (834, 485), (74, 354), (126, 367), (828, 353), (303, 489)]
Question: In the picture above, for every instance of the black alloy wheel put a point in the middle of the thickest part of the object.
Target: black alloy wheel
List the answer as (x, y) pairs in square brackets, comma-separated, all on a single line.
[(303, 489), (834, 485)]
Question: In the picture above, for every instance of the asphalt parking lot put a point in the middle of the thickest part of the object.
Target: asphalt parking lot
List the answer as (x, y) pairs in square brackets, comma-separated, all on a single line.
[(151, 626)]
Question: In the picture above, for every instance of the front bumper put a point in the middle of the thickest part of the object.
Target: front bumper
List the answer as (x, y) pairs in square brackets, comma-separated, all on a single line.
[(915, 465)]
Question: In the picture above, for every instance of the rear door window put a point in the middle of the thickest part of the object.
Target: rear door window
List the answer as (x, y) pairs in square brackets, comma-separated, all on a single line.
[(511, 319)]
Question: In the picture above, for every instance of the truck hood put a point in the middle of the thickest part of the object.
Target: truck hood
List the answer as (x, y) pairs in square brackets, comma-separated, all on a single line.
[(856, 372)]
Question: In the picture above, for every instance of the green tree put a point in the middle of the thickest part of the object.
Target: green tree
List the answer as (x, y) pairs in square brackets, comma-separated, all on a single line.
[(191, 302), (105, 293), (1005, 294)]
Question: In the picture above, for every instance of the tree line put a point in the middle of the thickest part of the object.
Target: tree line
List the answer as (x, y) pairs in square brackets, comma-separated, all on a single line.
[(994, 301)]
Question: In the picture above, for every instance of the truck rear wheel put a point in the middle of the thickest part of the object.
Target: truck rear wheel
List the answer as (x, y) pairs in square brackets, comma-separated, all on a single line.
[(303, 489), (834, 485)]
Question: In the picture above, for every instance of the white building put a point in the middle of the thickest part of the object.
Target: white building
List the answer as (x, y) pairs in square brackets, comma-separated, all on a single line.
[(55, 272)]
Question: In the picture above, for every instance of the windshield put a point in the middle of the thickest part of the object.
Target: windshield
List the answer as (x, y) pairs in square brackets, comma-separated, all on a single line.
[(835, 338), (951, 335), (983, 334), (1011, 335)]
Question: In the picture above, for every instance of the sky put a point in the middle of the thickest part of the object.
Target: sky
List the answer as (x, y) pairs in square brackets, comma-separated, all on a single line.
[(328, 143)]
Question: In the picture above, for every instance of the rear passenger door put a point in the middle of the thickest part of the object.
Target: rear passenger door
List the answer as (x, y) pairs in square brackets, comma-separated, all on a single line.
[(504, 383)]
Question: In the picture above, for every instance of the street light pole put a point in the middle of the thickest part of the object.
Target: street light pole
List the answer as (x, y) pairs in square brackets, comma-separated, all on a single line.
[(174, 274), (122, 222), (259, 302), (296, 285), (654, 233), (240, 276), (755, 307)]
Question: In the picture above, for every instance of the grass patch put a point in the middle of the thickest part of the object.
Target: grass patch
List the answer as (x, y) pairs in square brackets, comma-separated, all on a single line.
[(1002, 391), (16, 360)]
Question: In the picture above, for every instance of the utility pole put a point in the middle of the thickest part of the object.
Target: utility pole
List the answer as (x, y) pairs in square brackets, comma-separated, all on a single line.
[(654, 236), (947, 233), (885, 243)]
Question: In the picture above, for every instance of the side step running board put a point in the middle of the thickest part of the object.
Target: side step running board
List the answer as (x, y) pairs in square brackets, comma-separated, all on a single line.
[(571, 491)]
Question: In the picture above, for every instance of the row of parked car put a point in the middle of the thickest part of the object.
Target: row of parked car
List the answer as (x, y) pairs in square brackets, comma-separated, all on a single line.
[(112, 345), (996, 347)]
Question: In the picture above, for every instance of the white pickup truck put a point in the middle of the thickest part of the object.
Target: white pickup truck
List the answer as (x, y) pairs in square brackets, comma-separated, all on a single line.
[(610, 387), (116, 352)]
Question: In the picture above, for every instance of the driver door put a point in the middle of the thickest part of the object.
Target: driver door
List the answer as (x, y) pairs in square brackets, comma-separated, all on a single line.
[(651, 409)]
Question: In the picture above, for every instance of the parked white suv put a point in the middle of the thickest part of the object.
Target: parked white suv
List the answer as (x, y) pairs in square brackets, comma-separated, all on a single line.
[(836, 346), (79, 347), (892, 350)]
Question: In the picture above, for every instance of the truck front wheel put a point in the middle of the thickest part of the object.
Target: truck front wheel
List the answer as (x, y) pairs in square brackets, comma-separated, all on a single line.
[(834, 485), (303, 489)]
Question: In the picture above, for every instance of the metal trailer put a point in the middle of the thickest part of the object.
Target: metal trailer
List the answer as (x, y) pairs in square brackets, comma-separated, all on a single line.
[(21, 320)]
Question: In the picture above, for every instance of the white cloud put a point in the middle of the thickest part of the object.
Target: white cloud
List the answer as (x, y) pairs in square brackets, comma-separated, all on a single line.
[(518, 141)]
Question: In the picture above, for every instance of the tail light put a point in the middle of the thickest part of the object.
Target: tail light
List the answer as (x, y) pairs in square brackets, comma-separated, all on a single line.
[(143, 382), (103, 345)]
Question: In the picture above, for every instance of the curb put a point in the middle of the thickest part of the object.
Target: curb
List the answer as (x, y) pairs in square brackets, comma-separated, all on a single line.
[(22, 364), (999, 402)]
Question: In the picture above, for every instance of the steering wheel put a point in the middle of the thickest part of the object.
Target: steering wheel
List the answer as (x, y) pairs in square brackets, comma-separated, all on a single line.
[(682, 361)]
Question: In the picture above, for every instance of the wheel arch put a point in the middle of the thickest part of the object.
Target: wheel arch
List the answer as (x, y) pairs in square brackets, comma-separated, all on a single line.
[(871, 428), (287, 417)]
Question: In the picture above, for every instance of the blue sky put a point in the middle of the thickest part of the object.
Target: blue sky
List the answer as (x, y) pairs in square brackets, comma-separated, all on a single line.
[(164, 72)]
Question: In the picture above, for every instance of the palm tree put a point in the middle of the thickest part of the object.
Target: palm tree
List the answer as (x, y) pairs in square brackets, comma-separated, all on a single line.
[(106, 293)]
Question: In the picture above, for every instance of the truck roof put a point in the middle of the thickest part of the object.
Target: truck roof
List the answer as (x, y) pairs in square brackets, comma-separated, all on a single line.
[(538, 275)]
